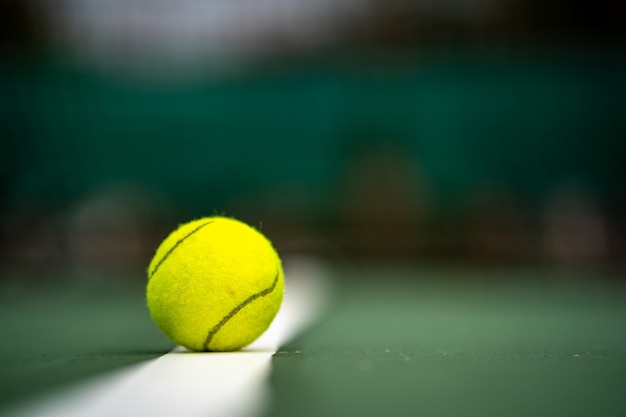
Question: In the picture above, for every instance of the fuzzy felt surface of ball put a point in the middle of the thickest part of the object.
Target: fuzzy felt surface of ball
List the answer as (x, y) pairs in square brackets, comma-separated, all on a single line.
[(214, 284)]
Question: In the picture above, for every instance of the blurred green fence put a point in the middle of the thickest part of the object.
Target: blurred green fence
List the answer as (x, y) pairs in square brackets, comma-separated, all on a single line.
[(527, 121)]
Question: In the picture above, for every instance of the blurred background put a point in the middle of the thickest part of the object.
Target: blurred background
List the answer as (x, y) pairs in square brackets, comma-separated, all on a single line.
[(488, 132)]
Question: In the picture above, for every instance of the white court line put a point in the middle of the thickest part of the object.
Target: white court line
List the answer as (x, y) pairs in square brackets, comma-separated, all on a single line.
[(184, 384)]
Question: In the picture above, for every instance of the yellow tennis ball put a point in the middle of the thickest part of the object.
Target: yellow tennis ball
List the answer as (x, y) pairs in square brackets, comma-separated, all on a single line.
[(214, 284)]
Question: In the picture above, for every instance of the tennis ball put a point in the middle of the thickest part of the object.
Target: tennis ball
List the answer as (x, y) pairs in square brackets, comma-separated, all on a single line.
[(214, 284)]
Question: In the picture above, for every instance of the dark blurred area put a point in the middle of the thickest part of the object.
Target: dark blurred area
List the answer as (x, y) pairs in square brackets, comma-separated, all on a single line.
[(485, 133)]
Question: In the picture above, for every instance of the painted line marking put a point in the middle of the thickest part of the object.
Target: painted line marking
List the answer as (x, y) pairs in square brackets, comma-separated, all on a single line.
[(180, 383)]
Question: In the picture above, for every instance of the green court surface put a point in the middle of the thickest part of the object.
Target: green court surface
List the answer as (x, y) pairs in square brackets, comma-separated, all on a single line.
[(507, 343), (53, 336), (393, 341)]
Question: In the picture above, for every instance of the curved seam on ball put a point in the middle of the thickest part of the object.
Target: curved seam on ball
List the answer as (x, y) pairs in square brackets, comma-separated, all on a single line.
[(230, 315), (181, 240)]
